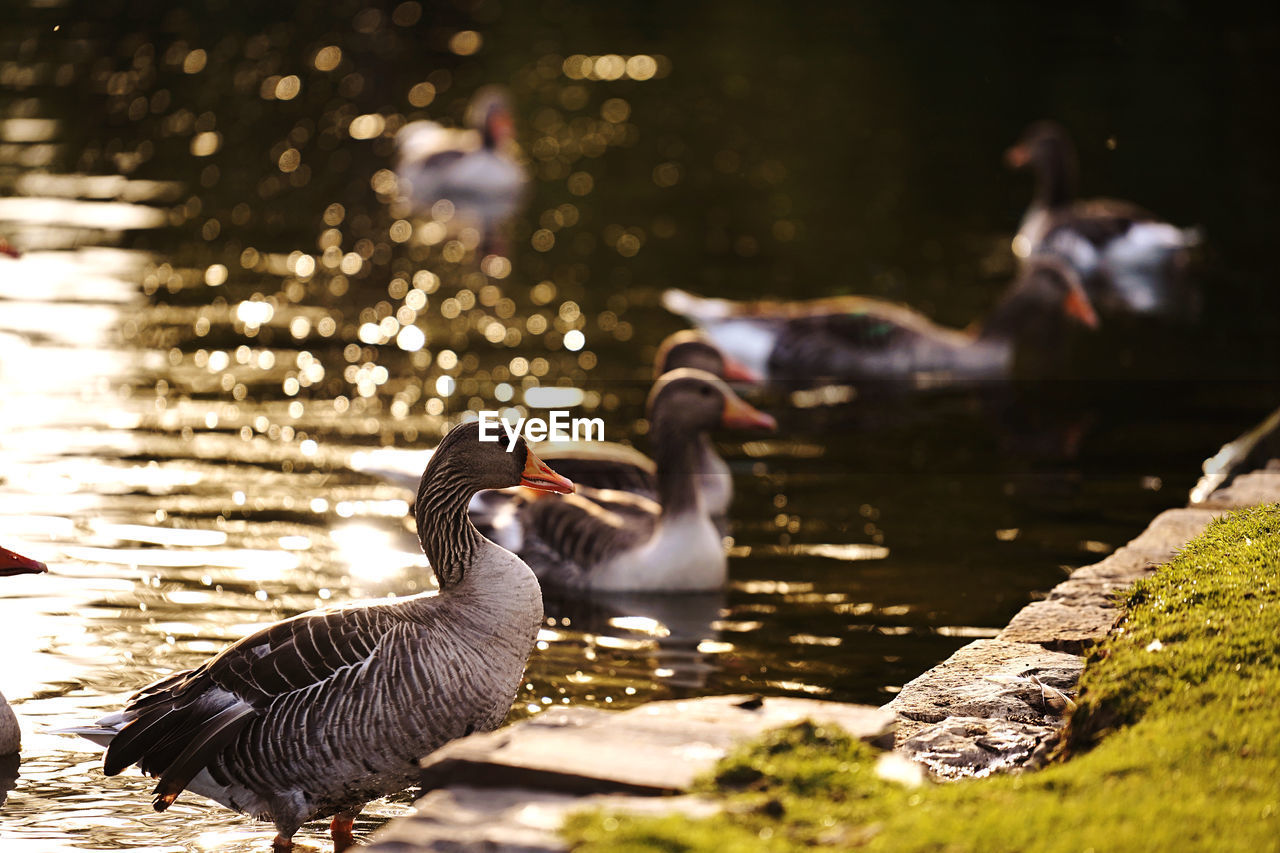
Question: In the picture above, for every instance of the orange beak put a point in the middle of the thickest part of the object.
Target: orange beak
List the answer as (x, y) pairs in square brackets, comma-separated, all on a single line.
[(537, 475), (735, 371), (501, 127), (16, 564), (739, 414), (1075, 304), (1017, 156)]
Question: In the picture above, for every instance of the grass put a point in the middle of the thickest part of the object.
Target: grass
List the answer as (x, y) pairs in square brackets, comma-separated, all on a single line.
[(1175, 744)]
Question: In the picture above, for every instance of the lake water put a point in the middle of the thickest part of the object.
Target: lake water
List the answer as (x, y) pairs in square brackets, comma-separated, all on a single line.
[(205, 328)]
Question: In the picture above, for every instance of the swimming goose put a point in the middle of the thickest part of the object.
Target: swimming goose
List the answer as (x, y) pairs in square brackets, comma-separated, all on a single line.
[(316, 715), (607, 465), (473, 169), (10, 733), (599, 464), (606, 540), (854, 338), (1129, 260)]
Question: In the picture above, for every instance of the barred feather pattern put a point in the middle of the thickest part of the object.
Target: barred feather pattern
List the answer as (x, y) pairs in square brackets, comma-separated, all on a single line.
[(318, 714)]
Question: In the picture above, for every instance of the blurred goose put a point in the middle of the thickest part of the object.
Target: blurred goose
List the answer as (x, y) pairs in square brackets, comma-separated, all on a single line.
[(607, 465), (606, 540), (1129, 260), (599, 464), (316, 715), (854, 338), (471, 168), (10, 734)]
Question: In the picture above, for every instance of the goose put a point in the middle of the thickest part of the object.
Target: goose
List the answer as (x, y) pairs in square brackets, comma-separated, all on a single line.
[(10, 733), (1129, 260), (316, 715), (610, 541), (607, 465), (472, 169), (855, 338), (599, 464)]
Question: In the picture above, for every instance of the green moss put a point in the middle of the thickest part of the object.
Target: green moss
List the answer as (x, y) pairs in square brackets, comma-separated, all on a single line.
[(1175, 744)]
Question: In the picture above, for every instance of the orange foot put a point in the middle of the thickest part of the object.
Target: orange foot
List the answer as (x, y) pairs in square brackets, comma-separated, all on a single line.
[(280, 844), (340, 829)]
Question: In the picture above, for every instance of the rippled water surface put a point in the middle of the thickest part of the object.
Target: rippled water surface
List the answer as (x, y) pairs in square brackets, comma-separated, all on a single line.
[(209, 320)]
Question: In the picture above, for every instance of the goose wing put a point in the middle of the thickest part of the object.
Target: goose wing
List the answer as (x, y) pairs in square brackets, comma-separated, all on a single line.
[(1099, 220), (176, 726), (566, 537), (860, 339)]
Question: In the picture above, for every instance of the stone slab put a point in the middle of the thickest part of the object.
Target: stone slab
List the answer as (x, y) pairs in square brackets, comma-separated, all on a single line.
[(1252, 489), (978, 746), (1082, 610), (993, 679), (509, 820), (658, 748)]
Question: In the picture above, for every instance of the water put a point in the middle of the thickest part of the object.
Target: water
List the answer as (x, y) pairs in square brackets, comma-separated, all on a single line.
[(188, 361)]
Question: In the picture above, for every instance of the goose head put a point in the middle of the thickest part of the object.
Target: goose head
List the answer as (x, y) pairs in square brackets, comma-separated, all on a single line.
[(16, 564), (490, 113), (1047, 289), (1046, 150), (689, 348), (474, 465), (695, 401), (684, 406)]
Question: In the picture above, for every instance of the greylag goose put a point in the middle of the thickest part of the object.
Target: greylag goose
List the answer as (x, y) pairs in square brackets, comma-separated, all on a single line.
[(854, 338), (609, 541), (1128, 260), (472, 169), (10, 733), (316, 715)]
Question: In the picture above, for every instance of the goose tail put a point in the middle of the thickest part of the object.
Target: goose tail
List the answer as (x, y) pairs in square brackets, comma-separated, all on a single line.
[(102, 732), (697, 308)]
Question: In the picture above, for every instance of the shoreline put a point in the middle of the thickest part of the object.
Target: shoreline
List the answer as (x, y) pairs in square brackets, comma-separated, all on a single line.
[(995, 705)]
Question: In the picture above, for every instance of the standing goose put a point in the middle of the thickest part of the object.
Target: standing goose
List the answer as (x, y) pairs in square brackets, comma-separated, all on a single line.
[(316, 715), (473, 169), (600, 464), (10, 733), (1128, 260), (612, 541), (854, 338)]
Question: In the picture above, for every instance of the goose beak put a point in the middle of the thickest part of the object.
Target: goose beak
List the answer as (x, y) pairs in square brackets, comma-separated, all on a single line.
[(16, 564), (735, 371), (1017, 156), (1076, 305), (537, 475), (739, 414)]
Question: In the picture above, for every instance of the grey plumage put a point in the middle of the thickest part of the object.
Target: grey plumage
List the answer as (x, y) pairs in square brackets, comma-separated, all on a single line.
[(316, 715)]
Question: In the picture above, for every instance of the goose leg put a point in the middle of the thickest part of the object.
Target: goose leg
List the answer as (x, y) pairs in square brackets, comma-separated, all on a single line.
[(340, 829)]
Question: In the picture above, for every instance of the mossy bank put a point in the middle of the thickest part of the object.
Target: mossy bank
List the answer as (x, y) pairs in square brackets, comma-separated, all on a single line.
[(1175, 744)]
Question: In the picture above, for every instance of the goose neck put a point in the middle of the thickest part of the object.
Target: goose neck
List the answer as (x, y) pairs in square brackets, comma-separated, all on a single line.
[(448, 538), (676, 454)]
